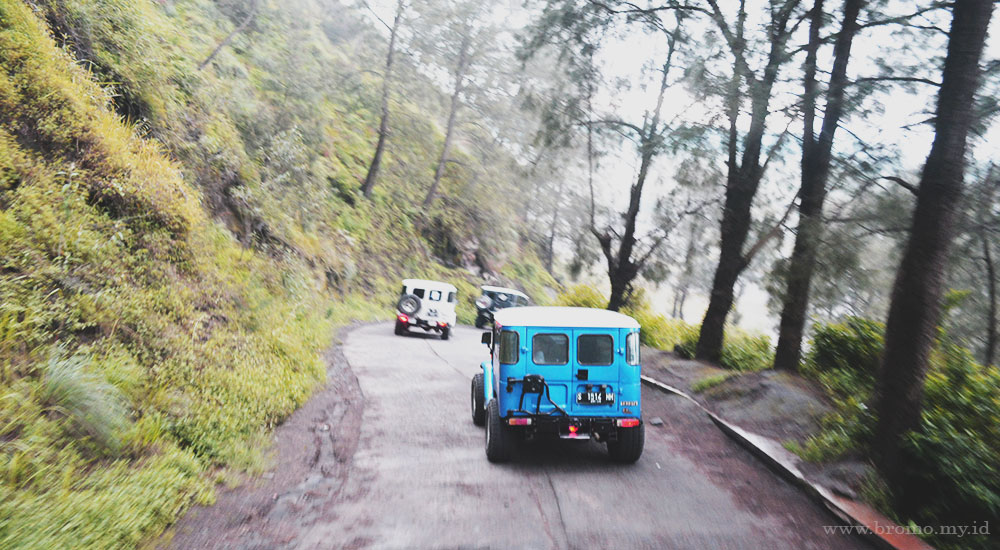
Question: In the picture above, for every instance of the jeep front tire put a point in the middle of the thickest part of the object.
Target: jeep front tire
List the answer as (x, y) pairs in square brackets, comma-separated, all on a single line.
[(499, 439), (478, 396)]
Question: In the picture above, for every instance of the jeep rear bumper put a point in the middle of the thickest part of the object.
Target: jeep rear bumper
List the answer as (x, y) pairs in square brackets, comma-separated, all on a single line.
[(422, 323), (601, 428)]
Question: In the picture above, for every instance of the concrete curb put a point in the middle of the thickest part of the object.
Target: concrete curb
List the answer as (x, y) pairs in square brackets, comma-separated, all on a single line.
[(877, 528)]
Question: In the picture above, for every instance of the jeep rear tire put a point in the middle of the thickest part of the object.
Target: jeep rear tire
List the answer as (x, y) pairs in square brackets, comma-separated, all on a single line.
[(408, 304), (478, 396), (480, 321), (400, 328), (629, 446), (445, 333), (499, 439)]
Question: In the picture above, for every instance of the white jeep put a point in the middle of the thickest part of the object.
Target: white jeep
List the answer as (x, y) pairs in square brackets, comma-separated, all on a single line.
[(429, 305)]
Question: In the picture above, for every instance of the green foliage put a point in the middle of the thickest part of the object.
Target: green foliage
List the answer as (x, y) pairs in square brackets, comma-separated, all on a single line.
[(658, 331), (710, 382), (581, 296), (953, 459), (740, 351), (94, 407), (852, 345)]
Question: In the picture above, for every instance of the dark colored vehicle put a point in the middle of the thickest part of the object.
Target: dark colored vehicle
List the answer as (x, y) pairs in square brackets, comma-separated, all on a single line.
[(494, 299), (565, 372)]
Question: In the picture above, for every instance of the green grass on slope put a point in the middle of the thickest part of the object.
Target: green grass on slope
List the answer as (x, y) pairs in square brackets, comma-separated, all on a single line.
[(140, 345)]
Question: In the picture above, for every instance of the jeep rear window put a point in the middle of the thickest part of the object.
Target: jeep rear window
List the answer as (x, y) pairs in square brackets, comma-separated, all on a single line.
[(632, 348), (509, 347), (435, 296), (550, 349), (595, 349)]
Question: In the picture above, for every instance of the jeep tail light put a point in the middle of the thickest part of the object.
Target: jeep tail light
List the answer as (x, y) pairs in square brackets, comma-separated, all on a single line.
[(403, 318), (519, 421), (573, 429), (442, 324), (628, 422)]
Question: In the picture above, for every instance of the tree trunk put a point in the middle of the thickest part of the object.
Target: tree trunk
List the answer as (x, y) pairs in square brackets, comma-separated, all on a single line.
[(681, 290), (741, 186), (229, 38), (991, 293), (456, 103), (550, 249), (619, 291), (915, 308), (383, 125), (816, 155)]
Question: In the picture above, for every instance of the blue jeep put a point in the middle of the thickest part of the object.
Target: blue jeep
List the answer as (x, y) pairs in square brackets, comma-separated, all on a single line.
[(563, 371)]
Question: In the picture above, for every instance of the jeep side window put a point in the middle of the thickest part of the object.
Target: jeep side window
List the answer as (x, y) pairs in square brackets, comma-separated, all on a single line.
[(402, 292), (632, 348), (595, 349), (419, 293), (509, 347), (452, 297), (550, 349), (435, 296)]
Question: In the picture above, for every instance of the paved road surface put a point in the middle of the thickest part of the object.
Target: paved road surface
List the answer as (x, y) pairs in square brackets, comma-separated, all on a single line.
[(399, 464)]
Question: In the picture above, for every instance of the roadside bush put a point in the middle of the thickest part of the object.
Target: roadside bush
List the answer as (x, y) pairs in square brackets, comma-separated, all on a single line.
[(741, 351), (582, 296), (95, 408), (854, 344), (953, 459), (658, 331)]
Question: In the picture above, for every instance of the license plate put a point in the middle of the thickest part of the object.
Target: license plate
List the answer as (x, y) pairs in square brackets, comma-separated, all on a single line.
[(595, 398)]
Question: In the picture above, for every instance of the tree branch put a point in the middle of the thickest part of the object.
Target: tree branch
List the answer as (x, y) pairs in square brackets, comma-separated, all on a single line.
[(243, 25), (770, 234), (898, 79), (903, 183)]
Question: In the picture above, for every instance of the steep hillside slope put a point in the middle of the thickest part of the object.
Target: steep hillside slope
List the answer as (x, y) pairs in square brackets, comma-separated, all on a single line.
[(176, 245)]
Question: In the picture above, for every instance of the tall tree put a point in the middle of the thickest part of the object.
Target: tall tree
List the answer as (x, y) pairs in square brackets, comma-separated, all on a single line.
[(460, 39), (745, 170), (574, 28), (816, 158), (383, 126), (916, 298), (459, 74), (623, 264)]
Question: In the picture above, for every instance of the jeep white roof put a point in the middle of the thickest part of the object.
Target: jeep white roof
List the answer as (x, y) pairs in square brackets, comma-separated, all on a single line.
[(563, 317), (488, 288), (429, 285)]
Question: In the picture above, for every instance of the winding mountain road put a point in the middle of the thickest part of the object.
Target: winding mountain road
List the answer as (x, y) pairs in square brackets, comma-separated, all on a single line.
[(386, 456)]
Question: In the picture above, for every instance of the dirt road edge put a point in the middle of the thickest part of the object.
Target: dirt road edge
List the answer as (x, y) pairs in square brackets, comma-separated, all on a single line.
[(868, 522)]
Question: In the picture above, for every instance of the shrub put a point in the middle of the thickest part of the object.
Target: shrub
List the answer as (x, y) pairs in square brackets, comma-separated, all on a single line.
[(952, 461), (854, 345), (657, 332), (94, 407), (582, 296), (741, 351)]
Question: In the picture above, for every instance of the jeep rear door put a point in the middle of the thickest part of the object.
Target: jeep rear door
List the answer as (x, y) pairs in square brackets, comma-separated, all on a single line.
[(594, 366)]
